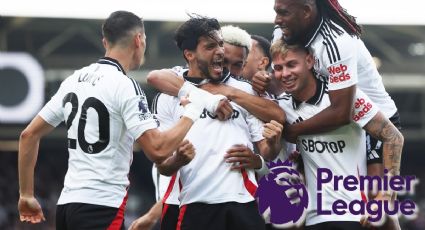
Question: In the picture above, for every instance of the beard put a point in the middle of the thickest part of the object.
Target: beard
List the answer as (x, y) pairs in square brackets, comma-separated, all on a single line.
[(203, 67)]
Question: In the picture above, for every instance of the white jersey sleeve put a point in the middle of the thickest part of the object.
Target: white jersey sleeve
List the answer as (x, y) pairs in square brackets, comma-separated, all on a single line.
[(341, 62), (364, 108), (163, 106), (134, 109), (53, 112)]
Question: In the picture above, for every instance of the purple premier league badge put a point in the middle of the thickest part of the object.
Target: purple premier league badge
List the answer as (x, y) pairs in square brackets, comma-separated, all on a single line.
[(282, 197)]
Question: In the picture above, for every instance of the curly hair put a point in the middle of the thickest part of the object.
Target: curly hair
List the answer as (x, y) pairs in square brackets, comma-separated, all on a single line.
[(188, 34)]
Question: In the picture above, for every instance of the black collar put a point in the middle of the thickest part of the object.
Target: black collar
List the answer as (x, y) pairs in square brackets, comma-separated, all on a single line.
[(200, 81), (313, 34), (316, 98), (111, 61)]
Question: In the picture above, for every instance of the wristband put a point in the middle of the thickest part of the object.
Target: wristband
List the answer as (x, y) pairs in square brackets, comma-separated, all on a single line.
[(264, 170)]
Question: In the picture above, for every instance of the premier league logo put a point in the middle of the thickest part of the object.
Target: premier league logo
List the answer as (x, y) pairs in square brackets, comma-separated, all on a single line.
[(282, 198)]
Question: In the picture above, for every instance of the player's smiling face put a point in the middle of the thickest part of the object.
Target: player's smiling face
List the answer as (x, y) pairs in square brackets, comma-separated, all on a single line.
[(209, 56), (293, 69), (291, 20)]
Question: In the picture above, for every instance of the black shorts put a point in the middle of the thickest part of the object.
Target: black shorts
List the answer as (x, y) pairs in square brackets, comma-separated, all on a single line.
[(374, 147), (336, 225), (223, 216), (169, 217), (88, 217)]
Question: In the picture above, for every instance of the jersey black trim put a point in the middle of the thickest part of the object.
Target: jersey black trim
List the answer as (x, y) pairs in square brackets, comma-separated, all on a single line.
[(329, 37), (154, 106), (321, 88), (111, 61), (136, 87)]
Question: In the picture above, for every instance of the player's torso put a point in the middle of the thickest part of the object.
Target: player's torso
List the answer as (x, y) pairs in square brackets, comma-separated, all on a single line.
[(100, 149), (207, 178), (342, 150), (339, 57)]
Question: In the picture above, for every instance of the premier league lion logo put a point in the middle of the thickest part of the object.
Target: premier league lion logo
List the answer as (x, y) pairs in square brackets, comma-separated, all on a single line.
[(282, 198)]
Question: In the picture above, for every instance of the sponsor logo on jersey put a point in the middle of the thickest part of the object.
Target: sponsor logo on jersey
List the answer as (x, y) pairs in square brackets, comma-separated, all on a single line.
[(313, 146), (205, 114), (338, 73), (361, 108)]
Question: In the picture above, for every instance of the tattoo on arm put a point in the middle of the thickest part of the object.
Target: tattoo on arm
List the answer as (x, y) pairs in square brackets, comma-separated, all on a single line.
[(382, 129)]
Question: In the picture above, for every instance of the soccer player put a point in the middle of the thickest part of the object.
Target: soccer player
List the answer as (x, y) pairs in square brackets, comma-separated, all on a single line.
[(333, 36), (105, 111), (217, 186), (165, 80), (259, 58), (340, 150), (237, 45)]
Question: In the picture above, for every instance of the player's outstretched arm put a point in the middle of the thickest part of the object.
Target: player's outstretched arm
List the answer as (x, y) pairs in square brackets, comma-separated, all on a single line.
[(29, 208), (264, 109), (158, 146), (166, 81), (334, 116), (180, 158)]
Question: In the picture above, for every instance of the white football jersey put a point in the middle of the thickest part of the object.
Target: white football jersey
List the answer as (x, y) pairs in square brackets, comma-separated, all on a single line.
[(104, 111), (208, 178), (344, 61), (342, 150), (166, 187)]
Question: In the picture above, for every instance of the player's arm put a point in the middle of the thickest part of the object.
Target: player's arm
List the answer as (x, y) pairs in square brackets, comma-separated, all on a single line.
[(158, 146), (183, 155), (264, 109), (29, 208), (148, 220), (166, 81), (337, 114), (382, 129)]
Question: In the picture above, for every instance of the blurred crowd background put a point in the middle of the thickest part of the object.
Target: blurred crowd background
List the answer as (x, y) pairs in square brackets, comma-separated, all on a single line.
[(60, 46)]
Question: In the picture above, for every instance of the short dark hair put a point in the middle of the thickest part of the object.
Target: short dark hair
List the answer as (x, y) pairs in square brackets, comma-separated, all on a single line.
[(188, 34), (119, 25), (264, 45)]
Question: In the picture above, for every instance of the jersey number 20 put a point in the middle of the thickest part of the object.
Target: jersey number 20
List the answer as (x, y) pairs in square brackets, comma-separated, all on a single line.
[(103, 115)]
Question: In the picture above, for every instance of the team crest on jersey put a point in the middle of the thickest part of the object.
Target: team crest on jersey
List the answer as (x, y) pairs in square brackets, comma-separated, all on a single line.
[(282, 190)]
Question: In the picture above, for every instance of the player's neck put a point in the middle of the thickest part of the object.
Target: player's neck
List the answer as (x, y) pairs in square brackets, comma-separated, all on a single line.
[(306, 92), (194, 73), (122, 57)]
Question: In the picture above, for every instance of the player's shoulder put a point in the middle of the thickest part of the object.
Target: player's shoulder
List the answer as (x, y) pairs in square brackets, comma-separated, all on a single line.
[(241, 84), (334, 34), (163, 101)]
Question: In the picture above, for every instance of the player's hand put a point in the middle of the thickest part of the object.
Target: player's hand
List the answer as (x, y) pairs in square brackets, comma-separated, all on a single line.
[(144, 222), (273, 132), (224, 109), (30, 210), (371, 225), (185, 153), (260, 82), (290, 134), (294, 156), (240, 156)]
